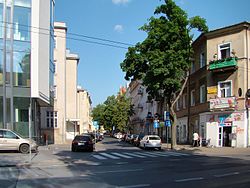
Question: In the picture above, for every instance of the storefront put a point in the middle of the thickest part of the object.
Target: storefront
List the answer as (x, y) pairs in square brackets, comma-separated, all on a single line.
[(224, 129)]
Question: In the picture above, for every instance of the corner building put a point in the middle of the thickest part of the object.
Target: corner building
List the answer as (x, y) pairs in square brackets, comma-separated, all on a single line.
[(214, 103), (26, 63)]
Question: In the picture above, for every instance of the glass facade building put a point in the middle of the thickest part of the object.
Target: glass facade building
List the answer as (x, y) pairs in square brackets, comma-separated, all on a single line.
[(15, 66)]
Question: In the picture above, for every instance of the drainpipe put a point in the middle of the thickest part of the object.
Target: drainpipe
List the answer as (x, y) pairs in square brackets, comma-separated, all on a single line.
[(247, 49)]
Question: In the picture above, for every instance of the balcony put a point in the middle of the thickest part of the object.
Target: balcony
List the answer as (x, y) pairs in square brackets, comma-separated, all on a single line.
[(223, 64)]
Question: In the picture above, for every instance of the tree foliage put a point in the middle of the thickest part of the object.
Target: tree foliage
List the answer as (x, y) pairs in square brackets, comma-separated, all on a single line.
[(115, 111), (162, 60)]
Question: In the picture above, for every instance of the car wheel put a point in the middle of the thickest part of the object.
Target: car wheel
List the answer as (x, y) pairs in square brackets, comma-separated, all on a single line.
[(91, 149), (24, 148), (73, 149), (159, 148)]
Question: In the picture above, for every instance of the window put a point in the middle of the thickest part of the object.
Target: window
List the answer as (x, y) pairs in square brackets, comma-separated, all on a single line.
[(178, 104), (8, 134), (192, 98), (224, 50), (202, 94), (184, 98), (52, 119), (225, 89), (202, 60), (192, 67)]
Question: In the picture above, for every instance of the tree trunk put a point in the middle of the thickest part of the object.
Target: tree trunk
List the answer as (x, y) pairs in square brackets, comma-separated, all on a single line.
[(173, 128)]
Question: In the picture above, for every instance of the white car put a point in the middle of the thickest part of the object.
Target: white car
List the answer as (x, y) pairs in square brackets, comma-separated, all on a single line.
[(9, 140), (151, 141)]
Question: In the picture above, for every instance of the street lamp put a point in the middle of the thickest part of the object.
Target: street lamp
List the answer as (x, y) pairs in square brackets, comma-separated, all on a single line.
[(247, 104)]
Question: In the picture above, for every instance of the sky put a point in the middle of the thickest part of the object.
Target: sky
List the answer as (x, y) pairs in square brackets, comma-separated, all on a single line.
[(99, 69)]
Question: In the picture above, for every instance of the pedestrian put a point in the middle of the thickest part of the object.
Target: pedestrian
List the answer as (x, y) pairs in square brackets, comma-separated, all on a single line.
[(195, 139)]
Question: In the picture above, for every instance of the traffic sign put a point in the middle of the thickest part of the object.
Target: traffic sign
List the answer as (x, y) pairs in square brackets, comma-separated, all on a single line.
[(167, 123), (156, 124)]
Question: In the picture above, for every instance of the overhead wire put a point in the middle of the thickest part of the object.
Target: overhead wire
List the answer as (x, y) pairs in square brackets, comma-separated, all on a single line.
[(121, 45)]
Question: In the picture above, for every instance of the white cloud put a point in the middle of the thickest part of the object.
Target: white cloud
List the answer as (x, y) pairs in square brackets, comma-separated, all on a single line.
[(118, 28), (120, 1)]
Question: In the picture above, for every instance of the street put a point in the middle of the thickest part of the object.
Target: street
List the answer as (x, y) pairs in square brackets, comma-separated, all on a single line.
[(119, 164)]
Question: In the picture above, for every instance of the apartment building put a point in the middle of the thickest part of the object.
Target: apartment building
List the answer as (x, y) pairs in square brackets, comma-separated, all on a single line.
[(60, 123), (26, 66), (84, 109), (213, 103), (145, 110)]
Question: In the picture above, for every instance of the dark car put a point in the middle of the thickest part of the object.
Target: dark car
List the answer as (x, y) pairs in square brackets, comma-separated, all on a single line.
[(138, 139), (92, 135), (82, 142)]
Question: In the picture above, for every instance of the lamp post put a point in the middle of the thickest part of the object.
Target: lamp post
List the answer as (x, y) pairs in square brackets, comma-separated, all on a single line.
[(247, 104)]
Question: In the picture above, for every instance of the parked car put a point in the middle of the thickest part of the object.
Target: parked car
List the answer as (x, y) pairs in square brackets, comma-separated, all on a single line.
[(138, 139), (92, 135), (83, 142), (151, 141), (118, 135), (10, 140), (132, 139)]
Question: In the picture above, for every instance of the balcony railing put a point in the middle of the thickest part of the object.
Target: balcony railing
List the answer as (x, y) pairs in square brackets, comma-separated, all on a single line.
[(222, 64)]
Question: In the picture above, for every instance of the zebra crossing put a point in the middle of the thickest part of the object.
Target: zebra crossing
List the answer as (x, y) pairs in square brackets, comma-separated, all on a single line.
[(131, 155)]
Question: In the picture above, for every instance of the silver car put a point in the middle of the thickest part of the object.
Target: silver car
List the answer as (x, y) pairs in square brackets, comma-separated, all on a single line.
[(9, 140), (151, 141)]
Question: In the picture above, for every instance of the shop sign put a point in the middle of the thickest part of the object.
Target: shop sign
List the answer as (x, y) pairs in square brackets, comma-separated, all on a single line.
[(212, 90), (220, 103)]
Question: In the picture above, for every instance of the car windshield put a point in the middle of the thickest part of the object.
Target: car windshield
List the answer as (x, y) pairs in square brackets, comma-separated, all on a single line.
[(154, 138), (82, 138)]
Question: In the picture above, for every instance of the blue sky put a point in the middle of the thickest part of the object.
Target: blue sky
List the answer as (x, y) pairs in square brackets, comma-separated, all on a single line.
[(119, 20)]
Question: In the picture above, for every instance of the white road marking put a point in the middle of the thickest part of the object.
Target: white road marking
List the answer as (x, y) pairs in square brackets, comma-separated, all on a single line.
[(118, 171), (109, 156), (228, 174), (121, 155), (135, 155), (134, 186), (189, 179), (177, 154), (146, 154), (159, 154), (99, 157)]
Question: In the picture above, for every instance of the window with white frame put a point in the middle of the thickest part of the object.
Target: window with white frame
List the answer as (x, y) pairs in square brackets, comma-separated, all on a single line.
[(224, 50), (51, 117), (184, 98), (192, 100), (202, 60), (225, 89), (202, 94)]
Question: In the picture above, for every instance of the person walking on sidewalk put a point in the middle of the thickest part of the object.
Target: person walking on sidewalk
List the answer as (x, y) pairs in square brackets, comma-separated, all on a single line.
[(195, 139)]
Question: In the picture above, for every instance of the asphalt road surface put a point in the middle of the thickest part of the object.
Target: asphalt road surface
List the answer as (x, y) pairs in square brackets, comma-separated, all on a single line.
[(118, 164)]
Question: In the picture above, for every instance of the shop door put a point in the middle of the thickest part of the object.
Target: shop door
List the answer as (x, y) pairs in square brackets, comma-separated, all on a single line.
[(226, 132)]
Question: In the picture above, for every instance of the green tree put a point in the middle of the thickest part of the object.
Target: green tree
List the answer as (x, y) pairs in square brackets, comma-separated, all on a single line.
[(115, 111), (97, 114), (162, 60)]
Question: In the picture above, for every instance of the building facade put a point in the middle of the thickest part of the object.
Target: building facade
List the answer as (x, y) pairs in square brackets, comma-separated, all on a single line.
[(26, 63), (213, 103), (84, 110), (70, 114)]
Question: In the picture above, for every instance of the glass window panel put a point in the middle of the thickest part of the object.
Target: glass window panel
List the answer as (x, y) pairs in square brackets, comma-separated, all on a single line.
[(8, 134), (23, 3), (1, 20), (21, 69), (21, 23), (48, 122)]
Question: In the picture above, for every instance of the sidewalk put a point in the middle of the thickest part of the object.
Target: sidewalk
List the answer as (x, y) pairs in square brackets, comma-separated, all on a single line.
[(208, 150)]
